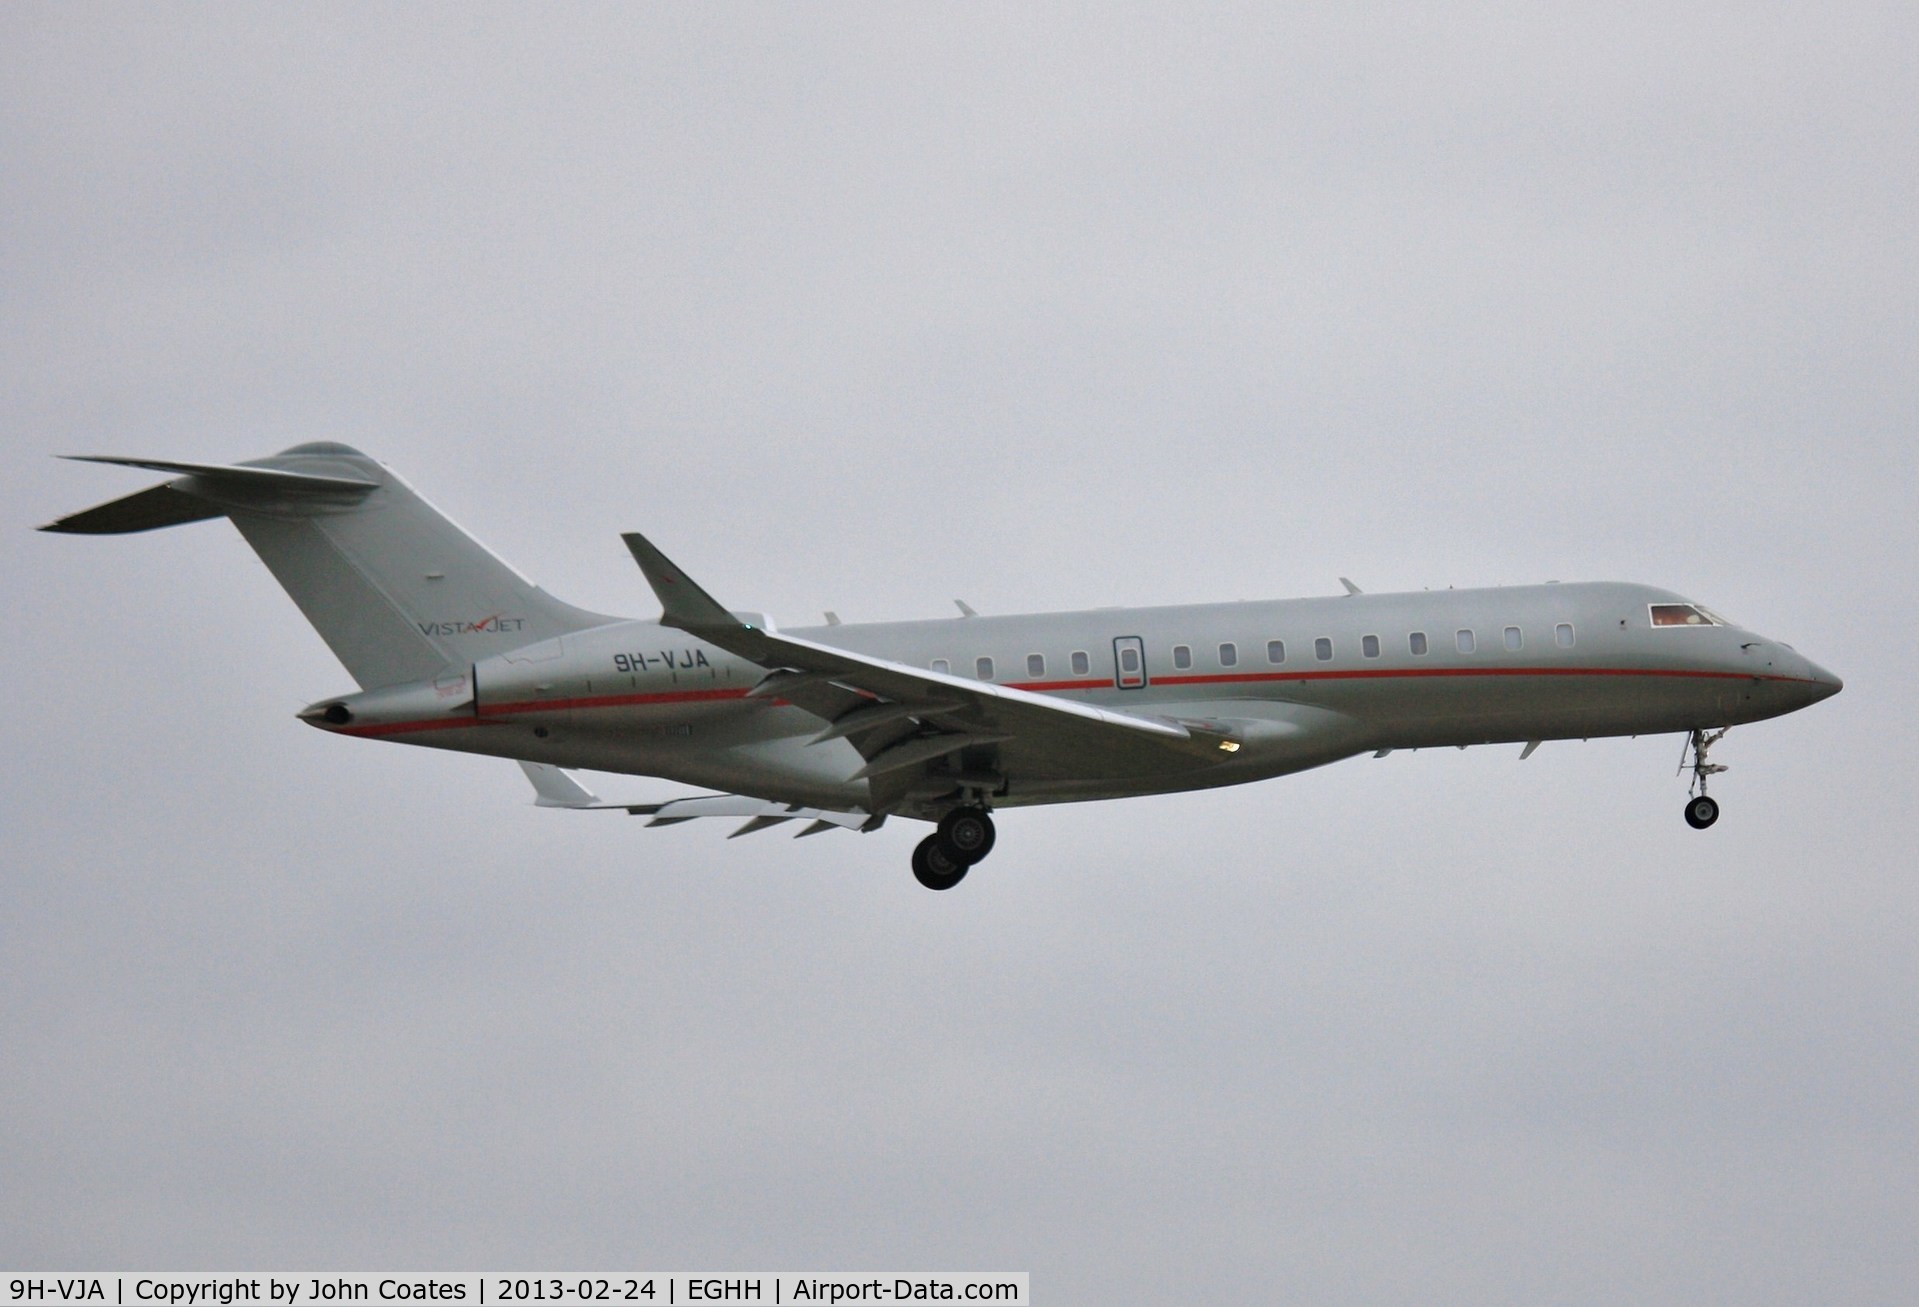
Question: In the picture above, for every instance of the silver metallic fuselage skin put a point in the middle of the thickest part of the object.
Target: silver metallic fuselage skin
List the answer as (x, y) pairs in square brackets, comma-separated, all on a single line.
[(642, 698)]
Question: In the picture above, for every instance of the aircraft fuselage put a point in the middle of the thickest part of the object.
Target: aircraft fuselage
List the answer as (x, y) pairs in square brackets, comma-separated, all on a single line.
[(1302, 682)]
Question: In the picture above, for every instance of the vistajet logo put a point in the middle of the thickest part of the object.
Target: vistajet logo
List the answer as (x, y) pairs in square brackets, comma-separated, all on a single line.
[(497, 624)]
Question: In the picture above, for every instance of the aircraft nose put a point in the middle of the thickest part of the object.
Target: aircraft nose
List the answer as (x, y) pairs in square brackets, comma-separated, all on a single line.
[(1824, 683)]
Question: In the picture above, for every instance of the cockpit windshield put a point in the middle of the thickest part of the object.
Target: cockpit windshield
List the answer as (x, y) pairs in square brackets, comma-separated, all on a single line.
[(1683, 615)]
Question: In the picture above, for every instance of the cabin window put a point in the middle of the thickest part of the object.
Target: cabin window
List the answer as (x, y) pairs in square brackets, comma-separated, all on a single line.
[(1129, 660), (1563, 635), (1323, 649), (1514, 640), (1275, 651), (943, 667), (1465, 641), (1229, 655), (1182, 656), (1036, 664), (1681, 615), (1082, 665), (1369, 645), (983, 667), (1417, 642)]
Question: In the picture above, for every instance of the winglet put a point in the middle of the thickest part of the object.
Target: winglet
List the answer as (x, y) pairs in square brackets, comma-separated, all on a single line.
[(556, 789), (682, 602)]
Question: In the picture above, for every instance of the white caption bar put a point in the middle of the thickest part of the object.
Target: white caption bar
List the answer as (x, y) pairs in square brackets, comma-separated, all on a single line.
[(473, 1289)]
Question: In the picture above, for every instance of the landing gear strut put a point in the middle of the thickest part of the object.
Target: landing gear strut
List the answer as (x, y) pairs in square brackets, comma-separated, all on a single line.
[(965, 836), (1701, 811)]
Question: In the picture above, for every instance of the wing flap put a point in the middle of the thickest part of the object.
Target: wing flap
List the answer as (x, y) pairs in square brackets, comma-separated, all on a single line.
[(917, 749), (760, 814), (556, 788)]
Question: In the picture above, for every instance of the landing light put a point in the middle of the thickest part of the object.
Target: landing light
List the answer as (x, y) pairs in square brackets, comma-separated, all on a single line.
[(1229, 746)]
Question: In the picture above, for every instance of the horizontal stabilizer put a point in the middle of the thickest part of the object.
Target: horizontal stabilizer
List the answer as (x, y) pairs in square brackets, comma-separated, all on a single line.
[(233, 473), (204, 490), (145, 510)]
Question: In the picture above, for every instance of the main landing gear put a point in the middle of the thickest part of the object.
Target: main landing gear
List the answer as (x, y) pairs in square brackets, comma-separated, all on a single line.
[(964, 836), (1701, 811)]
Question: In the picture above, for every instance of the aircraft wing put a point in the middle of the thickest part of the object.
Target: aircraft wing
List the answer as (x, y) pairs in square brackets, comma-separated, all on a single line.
[(760, 814), (904, 718), (555, 787)]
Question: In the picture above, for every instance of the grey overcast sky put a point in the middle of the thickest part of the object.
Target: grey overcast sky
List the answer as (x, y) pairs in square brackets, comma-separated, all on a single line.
[(864, 308)]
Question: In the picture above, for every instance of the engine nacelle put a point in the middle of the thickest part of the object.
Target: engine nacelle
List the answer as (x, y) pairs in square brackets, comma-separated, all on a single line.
[(444, 701), (525, 680)]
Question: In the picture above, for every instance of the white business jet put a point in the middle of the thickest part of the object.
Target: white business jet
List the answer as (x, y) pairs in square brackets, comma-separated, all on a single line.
[(843, 726)]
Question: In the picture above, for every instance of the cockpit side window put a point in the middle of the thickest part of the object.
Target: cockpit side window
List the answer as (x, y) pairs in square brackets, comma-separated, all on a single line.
[(1681, 615)]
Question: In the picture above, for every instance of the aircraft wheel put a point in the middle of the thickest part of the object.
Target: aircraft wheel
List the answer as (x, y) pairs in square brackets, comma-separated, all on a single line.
[(1701, 812), (933, 868), (966, 835)]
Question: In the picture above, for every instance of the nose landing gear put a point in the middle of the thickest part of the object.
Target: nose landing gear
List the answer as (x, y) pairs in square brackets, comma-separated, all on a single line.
[(965, 836), (1701, 811)]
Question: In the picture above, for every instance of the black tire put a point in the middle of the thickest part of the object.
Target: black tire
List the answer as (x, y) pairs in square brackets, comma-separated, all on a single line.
[(1701, 812), (933, 868), (967, 835)]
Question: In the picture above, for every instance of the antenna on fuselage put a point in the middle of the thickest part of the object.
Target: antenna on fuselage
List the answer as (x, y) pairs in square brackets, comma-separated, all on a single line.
[(1351, 589)]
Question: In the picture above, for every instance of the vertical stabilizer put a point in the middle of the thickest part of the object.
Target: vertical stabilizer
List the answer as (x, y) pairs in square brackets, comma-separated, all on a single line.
[(395, 587)]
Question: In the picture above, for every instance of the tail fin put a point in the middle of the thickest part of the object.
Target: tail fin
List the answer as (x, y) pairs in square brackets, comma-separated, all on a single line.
[(396, 589)]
